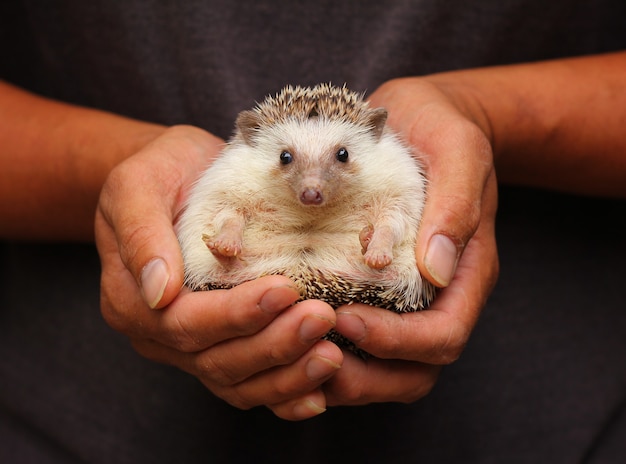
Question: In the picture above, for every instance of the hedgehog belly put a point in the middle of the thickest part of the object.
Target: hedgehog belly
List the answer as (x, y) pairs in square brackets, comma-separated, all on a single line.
[(324, 266)]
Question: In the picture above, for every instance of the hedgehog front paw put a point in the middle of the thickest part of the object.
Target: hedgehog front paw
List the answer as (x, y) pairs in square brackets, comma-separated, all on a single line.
[(222, 245), (378, 259), (376, 248)]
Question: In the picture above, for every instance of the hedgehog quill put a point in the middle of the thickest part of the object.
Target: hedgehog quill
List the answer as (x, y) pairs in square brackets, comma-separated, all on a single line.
[(314, 186)]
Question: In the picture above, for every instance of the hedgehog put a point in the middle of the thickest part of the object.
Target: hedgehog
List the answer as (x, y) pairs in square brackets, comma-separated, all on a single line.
[(312, 185)]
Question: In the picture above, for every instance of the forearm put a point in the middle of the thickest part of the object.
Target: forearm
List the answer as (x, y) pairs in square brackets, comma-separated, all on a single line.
[(54, 158), (555, 124)]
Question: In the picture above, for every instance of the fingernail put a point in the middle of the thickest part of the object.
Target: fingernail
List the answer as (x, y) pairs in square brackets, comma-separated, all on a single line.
[(314, 327), (276, 299), (351, 326), (318, 368), (307, 408), (154, 278), (441, 259)]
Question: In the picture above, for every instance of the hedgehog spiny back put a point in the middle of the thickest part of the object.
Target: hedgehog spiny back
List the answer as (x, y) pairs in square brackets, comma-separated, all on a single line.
[(302, 103)]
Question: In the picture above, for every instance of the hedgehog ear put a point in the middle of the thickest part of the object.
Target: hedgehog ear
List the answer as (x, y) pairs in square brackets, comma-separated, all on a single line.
[(247, 124), (376, 121)]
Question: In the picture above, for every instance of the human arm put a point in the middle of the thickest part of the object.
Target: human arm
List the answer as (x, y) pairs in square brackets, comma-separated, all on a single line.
[(556, 124), (54, 158)]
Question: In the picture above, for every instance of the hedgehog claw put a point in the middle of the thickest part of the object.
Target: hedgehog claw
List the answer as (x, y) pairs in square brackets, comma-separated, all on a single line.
[(377, 260), (221, 246)]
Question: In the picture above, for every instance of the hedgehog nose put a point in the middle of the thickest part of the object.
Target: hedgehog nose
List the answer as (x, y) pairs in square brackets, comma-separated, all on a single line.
[(311, 196)]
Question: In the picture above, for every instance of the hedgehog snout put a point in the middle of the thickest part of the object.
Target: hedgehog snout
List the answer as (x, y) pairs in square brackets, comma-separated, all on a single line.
[(312, 196)]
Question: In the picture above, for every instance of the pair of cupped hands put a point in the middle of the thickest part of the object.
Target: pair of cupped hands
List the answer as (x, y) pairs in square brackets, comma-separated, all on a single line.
[(255, 344)]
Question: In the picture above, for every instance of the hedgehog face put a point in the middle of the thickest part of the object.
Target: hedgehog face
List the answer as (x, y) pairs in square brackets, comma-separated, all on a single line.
[(318, 160), (314, 140), (313, 188)]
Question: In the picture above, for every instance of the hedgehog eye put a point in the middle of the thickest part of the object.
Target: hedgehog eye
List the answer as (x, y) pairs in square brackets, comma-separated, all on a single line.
[(342, 155), (286, 157)]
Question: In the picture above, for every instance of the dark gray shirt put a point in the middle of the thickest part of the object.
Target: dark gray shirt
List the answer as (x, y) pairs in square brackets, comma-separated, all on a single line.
[(543, 378)]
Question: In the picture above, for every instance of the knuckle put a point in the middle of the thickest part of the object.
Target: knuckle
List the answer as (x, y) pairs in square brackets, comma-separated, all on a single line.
[(391, 347), (241, 322), (137, 239), (214, 371), (231, 395), (285, 389), (452, 348), (420, 391), (276, 355), (354, 395), (348, 391), (235, 399), (183, 338), (450, 355), (112, 316), (241, 311), (115, 308), (115, 187), (390, 87), (396, 339), (460, 215)]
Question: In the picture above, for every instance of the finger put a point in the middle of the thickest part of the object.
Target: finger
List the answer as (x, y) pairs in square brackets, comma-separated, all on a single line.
[(139, 201), (120, 300), (277, 387), (430, 336), (290, 382), (282, 342), (304, 407), (359, 382), (143, 232), (439, 334), (195, 321), (206, 318)]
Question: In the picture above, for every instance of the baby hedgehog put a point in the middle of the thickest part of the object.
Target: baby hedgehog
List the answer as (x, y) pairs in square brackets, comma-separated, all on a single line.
[(312, 186)]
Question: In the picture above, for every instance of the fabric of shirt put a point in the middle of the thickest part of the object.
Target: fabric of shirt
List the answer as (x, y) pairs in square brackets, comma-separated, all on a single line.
[(543, 378)]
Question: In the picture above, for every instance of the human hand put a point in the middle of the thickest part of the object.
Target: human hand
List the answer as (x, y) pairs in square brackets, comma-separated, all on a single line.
[(456, 249), (250, 345)]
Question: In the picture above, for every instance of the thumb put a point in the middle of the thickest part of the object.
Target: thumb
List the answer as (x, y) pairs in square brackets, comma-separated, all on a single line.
[(138, 205), (458, 166), (158, 273), (161, 277), (134, 226)]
